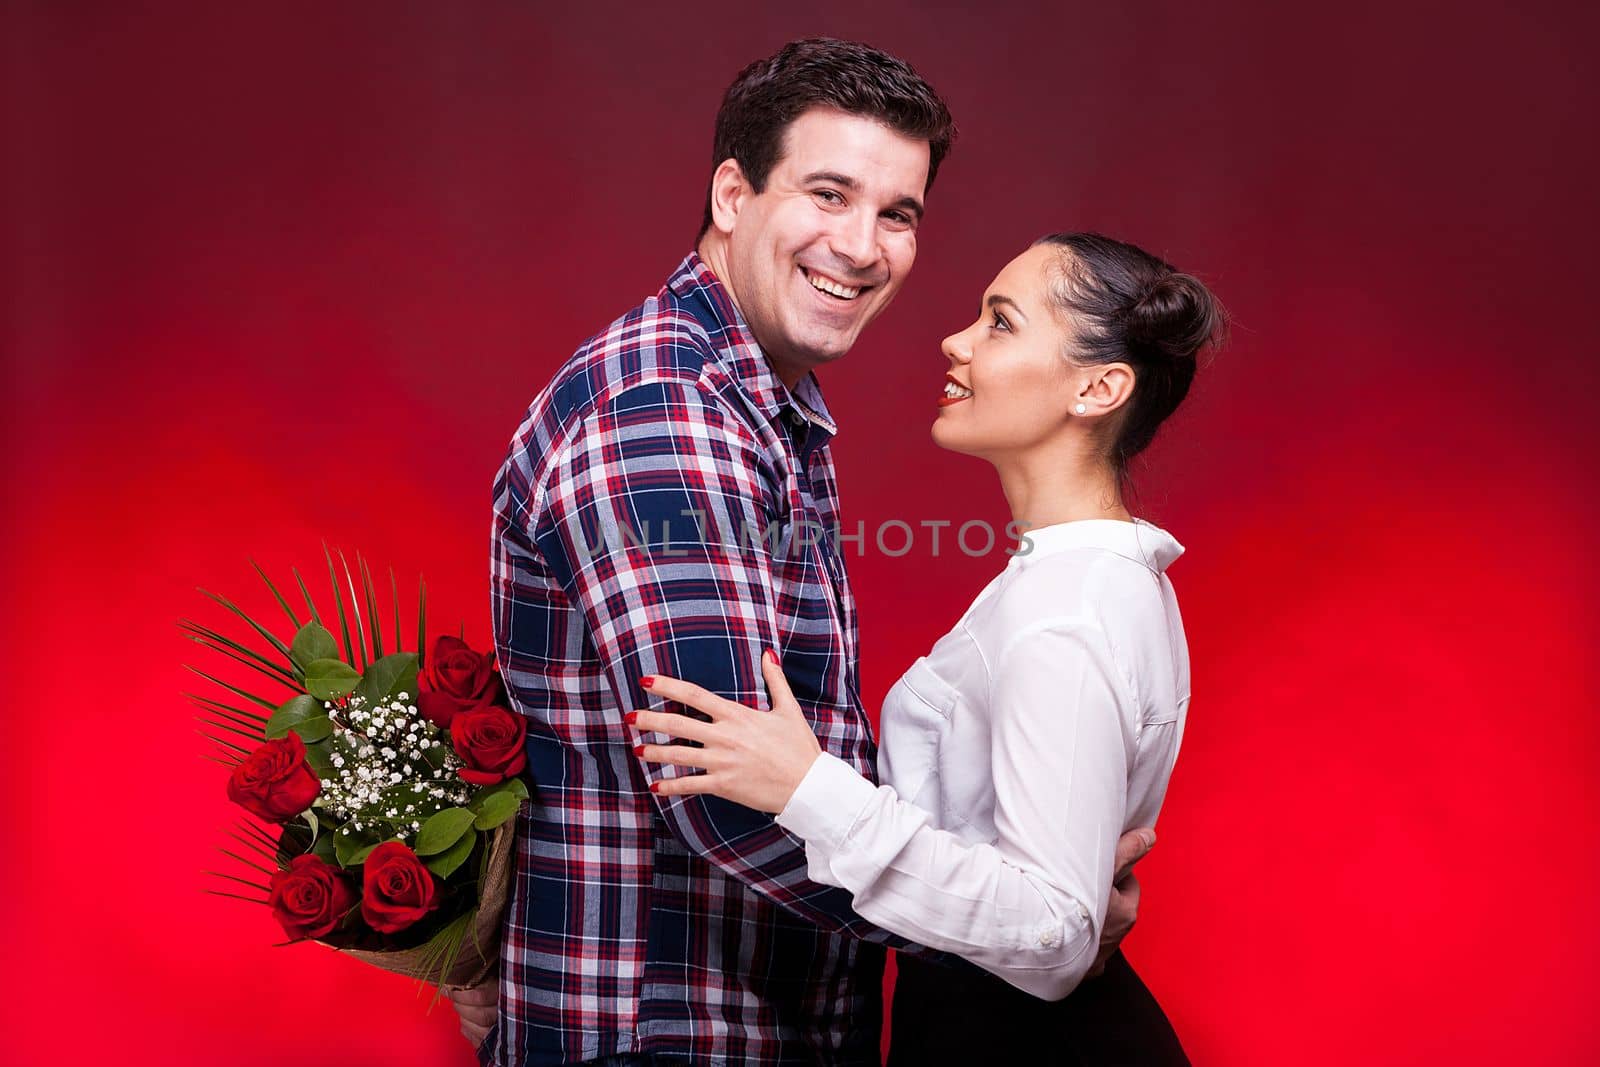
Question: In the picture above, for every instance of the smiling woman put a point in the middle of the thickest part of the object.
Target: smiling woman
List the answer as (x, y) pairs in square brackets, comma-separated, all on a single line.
[(1021, 754)]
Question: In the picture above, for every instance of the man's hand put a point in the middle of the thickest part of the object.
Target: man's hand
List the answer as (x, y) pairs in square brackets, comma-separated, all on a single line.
[(477, 1007), (1124, 909)]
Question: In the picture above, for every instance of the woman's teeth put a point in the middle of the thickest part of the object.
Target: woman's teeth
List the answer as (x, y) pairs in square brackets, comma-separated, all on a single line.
[(832, 288), (952, 390)]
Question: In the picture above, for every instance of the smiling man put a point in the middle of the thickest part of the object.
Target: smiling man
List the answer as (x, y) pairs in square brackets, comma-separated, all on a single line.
[(644, 928)]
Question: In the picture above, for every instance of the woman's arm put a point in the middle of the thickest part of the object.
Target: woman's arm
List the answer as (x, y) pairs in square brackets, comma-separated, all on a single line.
[(1030, 906)]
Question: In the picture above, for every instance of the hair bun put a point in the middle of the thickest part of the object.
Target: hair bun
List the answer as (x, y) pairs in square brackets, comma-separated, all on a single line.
[(1177, 316)]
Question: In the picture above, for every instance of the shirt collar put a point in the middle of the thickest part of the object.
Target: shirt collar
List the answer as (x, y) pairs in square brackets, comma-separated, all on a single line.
[(1143, 542), (705, 297)]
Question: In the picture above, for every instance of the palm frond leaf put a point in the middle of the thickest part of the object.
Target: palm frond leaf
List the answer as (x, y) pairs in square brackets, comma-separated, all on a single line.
[(338, 602), (370, 600), (275, 674), (205, 635), (216, 705), (294, 621), (355, 609), (422, 620), (394, 597), (219, 724), (271, 637), (263, 701), (310, 604)]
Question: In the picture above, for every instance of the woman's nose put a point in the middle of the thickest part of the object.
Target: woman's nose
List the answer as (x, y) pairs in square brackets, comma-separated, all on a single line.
[(956, 349)]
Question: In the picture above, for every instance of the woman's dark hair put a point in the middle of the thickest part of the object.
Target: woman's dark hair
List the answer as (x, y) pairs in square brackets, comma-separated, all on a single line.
[(1131, 307), (857, 79)]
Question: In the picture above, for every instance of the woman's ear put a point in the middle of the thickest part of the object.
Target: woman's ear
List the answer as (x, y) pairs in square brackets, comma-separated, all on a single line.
[(728, 192), (1108, 387)]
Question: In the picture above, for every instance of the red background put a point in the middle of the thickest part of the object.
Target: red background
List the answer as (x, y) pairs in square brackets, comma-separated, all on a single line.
[(278, 273)]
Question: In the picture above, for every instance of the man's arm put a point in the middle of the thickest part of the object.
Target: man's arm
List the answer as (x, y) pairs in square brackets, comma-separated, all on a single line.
[(701, 605)]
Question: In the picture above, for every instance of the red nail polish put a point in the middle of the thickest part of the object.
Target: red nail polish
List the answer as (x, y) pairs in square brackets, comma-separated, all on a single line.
[(655, 787), (648, 681), (638, 750), (772, 653), (631, 718)]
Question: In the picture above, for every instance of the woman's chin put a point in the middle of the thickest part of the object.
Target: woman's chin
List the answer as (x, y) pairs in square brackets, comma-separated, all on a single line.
[(946, 438)]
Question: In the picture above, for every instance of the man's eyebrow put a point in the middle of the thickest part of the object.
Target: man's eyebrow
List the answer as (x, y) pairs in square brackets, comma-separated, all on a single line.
[(998, 299), (906, 203)]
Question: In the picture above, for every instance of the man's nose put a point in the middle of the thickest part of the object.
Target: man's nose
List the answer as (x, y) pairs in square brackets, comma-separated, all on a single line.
[(855, 240)]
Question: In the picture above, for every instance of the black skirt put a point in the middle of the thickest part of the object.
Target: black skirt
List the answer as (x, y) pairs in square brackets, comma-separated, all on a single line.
[(964, 1015)]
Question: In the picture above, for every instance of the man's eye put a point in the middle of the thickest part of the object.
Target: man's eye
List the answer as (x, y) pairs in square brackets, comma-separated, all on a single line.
[(829, 196), (900, 218)]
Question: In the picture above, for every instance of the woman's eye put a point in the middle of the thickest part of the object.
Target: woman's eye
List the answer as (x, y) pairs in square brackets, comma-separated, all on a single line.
[(1000, 322)]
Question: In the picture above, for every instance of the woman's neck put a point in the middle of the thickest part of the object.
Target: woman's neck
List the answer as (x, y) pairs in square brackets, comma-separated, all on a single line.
[(1045, 490)]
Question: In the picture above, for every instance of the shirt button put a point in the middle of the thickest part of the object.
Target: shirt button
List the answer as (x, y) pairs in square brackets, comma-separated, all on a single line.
[(1049, 936), (1083, 913)]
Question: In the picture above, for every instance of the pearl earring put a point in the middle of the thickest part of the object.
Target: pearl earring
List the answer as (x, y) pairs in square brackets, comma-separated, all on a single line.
[(1080, 409)]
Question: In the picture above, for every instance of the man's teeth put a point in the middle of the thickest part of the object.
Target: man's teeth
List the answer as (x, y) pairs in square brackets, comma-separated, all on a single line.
[(952, 390), (832, 288)]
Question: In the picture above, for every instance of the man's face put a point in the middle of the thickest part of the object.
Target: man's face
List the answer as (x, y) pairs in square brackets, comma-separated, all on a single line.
[(823, 249)]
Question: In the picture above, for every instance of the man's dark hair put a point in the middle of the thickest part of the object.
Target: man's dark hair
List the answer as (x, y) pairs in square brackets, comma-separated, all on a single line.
[(854, 78)]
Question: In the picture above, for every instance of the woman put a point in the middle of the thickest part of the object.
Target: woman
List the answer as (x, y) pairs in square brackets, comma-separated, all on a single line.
[(1017, 751)]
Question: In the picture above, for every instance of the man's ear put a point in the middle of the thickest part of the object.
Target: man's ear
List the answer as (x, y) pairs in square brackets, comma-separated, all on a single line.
[(729, 189)]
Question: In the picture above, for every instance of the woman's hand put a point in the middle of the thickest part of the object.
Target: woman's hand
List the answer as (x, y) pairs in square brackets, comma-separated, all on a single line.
[(754, 758)]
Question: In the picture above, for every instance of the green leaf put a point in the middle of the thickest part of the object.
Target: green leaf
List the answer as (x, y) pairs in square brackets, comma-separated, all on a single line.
[(329, 679), (311, 643), (360, 855), (443, 830), (320, 757), (496, 809), (389, 676), (291, 713), (347, 845), (325, 848), (318, 728), (446, 862)]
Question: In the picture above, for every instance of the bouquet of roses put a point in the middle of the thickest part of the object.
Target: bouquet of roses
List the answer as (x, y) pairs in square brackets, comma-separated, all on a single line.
[(383, 785)]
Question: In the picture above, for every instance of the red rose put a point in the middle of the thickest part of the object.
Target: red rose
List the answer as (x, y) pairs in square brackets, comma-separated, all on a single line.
[(455, 679), (490, 741), (397, 889), (310, 897), (274, 782)]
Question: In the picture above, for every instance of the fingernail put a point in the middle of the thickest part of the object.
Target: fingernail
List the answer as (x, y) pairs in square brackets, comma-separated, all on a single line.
[(655, 787), (631, 718), (648, 681), (638, 750), (771, 654)]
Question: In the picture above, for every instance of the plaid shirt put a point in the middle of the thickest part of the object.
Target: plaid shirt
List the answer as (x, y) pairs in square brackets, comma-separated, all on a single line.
[(668, 506)]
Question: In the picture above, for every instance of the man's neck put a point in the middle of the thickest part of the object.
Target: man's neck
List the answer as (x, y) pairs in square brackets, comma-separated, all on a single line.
[(713, 252)]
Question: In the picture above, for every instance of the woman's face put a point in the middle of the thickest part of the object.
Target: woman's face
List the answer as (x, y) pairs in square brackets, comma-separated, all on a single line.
[(1013, 385)]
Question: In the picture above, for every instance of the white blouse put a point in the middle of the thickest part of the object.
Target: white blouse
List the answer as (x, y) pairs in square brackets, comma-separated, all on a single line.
[(1013, 756)]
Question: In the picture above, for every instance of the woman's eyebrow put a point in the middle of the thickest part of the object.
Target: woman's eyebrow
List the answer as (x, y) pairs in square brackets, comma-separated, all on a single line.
[(1012, 304)]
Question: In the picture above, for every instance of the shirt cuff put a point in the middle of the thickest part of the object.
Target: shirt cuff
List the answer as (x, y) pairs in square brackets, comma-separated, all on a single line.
[(827, 803)]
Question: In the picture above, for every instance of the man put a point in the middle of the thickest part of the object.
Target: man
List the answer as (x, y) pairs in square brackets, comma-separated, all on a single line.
[(657, 514)]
